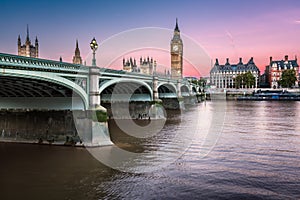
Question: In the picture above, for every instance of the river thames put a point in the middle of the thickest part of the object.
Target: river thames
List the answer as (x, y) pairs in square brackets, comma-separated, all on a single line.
[(255, 156)]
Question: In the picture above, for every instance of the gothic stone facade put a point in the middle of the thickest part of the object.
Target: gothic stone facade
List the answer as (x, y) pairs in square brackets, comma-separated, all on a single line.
[(147, 66), (77, 58), (28, 49), (176, 54)]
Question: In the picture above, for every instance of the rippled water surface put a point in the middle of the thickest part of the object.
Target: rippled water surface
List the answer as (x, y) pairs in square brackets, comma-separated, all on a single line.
[(255, 156)]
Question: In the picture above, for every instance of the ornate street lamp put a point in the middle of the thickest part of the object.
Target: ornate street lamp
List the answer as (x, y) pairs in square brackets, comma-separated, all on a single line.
[(94, 47)]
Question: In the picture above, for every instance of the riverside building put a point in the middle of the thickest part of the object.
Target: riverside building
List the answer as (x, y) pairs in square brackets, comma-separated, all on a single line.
[(223, 76), (274, 70)]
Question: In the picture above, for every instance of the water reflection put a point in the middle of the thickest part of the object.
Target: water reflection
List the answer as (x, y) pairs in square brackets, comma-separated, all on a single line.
[(256, 157), (147, 154)]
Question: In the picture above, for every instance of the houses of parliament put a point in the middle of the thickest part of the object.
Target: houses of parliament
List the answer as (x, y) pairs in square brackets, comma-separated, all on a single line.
[(30, 50), (146, 66)]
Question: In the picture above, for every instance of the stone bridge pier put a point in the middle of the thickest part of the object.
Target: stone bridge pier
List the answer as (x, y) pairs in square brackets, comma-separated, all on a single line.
[(92, 124)]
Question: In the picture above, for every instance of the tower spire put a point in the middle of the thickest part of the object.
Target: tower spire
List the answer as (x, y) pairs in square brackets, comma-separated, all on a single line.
[(19, 40), (77, 58), (176, 26), (77, 51), (19, 45), (27, 37)]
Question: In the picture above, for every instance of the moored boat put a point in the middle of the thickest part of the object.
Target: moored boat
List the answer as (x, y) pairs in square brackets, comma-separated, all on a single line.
[(278, 95)]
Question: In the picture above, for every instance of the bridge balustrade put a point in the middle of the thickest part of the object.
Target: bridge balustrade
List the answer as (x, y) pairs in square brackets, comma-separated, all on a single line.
[(21, 61)]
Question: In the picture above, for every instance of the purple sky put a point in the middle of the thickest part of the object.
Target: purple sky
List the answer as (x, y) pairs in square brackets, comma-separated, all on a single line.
[(232, 29)]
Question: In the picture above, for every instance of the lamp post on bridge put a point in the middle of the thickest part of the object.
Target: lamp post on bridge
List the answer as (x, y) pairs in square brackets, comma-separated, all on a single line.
[(94, 95), (95, 128), (94, 47)]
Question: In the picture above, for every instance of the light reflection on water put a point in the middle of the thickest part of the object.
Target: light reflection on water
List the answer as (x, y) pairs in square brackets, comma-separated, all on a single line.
[(256, 157)]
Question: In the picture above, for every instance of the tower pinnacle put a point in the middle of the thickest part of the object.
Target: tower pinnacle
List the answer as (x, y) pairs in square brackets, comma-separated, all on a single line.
[(176, 27), (77, 58), (28, 49), (27, 37), (19, 40)]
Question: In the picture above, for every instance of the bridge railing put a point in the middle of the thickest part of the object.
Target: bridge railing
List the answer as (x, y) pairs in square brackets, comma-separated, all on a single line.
[(21, 61)]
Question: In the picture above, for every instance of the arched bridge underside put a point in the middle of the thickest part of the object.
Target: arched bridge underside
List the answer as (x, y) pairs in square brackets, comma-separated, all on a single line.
[(25, 87), (184, 91), (167, 91), (20, 93), (126, 91)]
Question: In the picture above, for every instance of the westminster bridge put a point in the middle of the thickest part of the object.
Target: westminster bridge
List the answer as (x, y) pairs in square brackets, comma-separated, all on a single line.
[(33, 84)]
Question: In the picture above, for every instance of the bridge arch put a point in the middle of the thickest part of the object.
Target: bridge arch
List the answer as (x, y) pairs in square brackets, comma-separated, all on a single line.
[(167, 90), (51, 78), (184, 88), (185, 91), (172, 86), (130, 88)]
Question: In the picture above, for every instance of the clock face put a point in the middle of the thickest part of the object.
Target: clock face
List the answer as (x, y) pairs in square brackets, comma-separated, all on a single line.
[(175, 48)]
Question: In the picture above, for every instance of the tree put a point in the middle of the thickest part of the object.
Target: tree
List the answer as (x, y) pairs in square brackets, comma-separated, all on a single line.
[(246, 80), (288, 78), (238, 81), (249, 79), (202, 82), (194, 81)]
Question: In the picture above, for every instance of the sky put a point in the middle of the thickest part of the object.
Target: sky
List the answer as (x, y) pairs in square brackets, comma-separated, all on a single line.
[(223, 29)]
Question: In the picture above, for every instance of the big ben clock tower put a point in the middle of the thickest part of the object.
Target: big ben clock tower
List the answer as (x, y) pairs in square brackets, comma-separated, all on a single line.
[(176, 54)]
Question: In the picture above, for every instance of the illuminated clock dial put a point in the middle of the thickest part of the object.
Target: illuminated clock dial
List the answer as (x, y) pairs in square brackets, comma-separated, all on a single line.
[(175, 48)]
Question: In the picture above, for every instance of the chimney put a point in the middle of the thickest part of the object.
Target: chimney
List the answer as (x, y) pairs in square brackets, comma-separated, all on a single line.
[(241, 62), (271, 59), (286, 58), (227, 61), (217, 61)]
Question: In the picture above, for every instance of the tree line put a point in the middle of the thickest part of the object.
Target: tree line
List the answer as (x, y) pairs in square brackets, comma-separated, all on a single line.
[(288, 78), (246, 80)]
